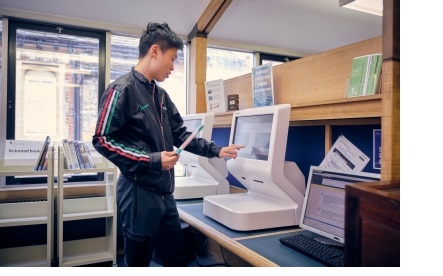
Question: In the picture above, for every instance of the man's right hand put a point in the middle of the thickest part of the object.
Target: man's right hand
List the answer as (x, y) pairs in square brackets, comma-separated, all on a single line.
[(169, 159)]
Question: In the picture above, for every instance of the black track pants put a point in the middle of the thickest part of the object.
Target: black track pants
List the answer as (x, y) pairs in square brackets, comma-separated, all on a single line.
[(150, 222)]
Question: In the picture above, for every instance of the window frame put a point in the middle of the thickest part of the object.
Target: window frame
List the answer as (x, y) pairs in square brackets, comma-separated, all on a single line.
[(44, 27), (13, 26), (275, 57)]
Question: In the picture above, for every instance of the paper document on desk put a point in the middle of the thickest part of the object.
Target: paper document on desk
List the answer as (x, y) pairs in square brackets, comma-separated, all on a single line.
[(345, 156)]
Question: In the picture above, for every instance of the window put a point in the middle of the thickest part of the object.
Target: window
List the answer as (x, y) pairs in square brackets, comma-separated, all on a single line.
[(275, 59), (124, 55), (55, 77), (1, 52), (226, 64), (55, 80)]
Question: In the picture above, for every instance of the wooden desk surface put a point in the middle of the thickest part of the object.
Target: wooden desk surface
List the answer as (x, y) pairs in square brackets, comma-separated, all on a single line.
[(260, 248)]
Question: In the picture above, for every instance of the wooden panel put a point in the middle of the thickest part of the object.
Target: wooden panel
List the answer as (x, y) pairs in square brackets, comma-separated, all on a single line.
[(314, 85), (319, 77), (390, 87), (343, 109), (217, 16), (365, 107), (390, 131), (391, 29), (242, 86), (372, 223), (197, 74), (208, 15)]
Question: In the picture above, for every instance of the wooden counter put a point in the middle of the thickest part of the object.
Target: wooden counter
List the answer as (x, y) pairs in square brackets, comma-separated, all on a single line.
[(372, 236)]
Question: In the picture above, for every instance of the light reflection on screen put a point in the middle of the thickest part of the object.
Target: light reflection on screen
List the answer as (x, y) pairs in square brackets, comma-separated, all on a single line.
[(254, 132)]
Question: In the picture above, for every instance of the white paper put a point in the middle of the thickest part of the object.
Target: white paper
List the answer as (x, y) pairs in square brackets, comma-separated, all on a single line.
[(215, 96), (21, 152), (345, 156)]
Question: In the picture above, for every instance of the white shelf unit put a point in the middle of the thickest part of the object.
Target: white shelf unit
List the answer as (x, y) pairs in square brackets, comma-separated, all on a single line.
[(90, 250), (22, 213)]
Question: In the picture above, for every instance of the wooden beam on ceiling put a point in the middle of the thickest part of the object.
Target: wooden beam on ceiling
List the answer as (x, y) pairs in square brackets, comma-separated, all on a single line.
[(209, 18)]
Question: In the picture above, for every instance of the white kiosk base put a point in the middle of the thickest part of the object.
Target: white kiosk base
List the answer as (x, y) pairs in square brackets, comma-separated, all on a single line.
[(277, 205), (246, 211), (208, 177), (191, 187)]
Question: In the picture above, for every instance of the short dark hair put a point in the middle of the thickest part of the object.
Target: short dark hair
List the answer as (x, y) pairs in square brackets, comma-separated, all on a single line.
[(160, 34)]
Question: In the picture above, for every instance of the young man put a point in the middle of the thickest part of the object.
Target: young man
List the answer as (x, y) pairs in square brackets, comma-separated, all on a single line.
[(137, 127)]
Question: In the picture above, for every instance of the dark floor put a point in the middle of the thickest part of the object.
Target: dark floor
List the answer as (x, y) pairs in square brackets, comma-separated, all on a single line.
[(152, 264), (198, 254)]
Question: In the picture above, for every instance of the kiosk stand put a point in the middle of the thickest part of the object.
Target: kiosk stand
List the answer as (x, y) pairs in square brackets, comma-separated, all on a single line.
[(275, 187), (205, 176)]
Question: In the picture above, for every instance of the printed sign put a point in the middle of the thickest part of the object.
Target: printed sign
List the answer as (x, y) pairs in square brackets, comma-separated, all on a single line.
[(262, 85)]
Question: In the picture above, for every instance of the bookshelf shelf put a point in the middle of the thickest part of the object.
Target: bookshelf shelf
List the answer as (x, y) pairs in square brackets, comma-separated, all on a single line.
[(24, 256), (88, 250), (23, 213), (365, 109)]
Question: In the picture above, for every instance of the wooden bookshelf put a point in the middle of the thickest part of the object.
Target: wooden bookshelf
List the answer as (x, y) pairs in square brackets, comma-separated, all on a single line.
[(315, 86)]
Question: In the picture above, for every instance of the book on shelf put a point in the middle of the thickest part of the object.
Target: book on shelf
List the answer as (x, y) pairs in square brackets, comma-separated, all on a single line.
[(73, 154), (68, 161), (365, 75), (45, 163), (42, 155), (373, 77), (84, 155), (79, 156), (89, 155)]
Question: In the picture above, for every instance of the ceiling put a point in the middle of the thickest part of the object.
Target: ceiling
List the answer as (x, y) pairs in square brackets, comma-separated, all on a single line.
[(300, 27)]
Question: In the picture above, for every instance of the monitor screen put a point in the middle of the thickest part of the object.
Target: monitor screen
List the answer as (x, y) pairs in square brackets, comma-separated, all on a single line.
[(254, 132), (324, 205), (192, 124)]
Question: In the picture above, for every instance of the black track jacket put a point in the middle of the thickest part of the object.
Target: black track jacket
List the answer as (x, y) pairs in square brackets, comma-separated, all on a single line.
[(131, 134)]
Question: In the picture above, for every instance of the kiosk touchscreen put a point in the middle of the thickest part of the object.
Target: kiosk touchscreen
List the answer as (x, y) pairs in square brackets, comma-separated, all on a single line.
[(204, 176), (275, 187)]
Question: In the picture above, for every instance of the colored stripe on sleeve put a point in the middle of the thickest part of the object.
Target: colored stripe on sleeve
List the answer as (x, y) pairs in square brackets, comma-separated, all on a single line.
[(104, 125)]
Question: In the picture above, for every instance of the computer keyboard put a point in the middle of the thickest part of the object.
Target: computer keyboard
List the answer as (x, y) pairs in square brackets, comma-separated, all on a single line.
[(326, 254)]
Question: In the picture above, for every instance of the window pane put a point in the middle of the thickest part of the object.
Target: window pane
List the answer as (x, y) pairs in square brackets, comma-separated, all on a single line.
[(124, 56), (273, 62), (1, 52), (175, 85), (226, 64), (56, 86), (275, 59)]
